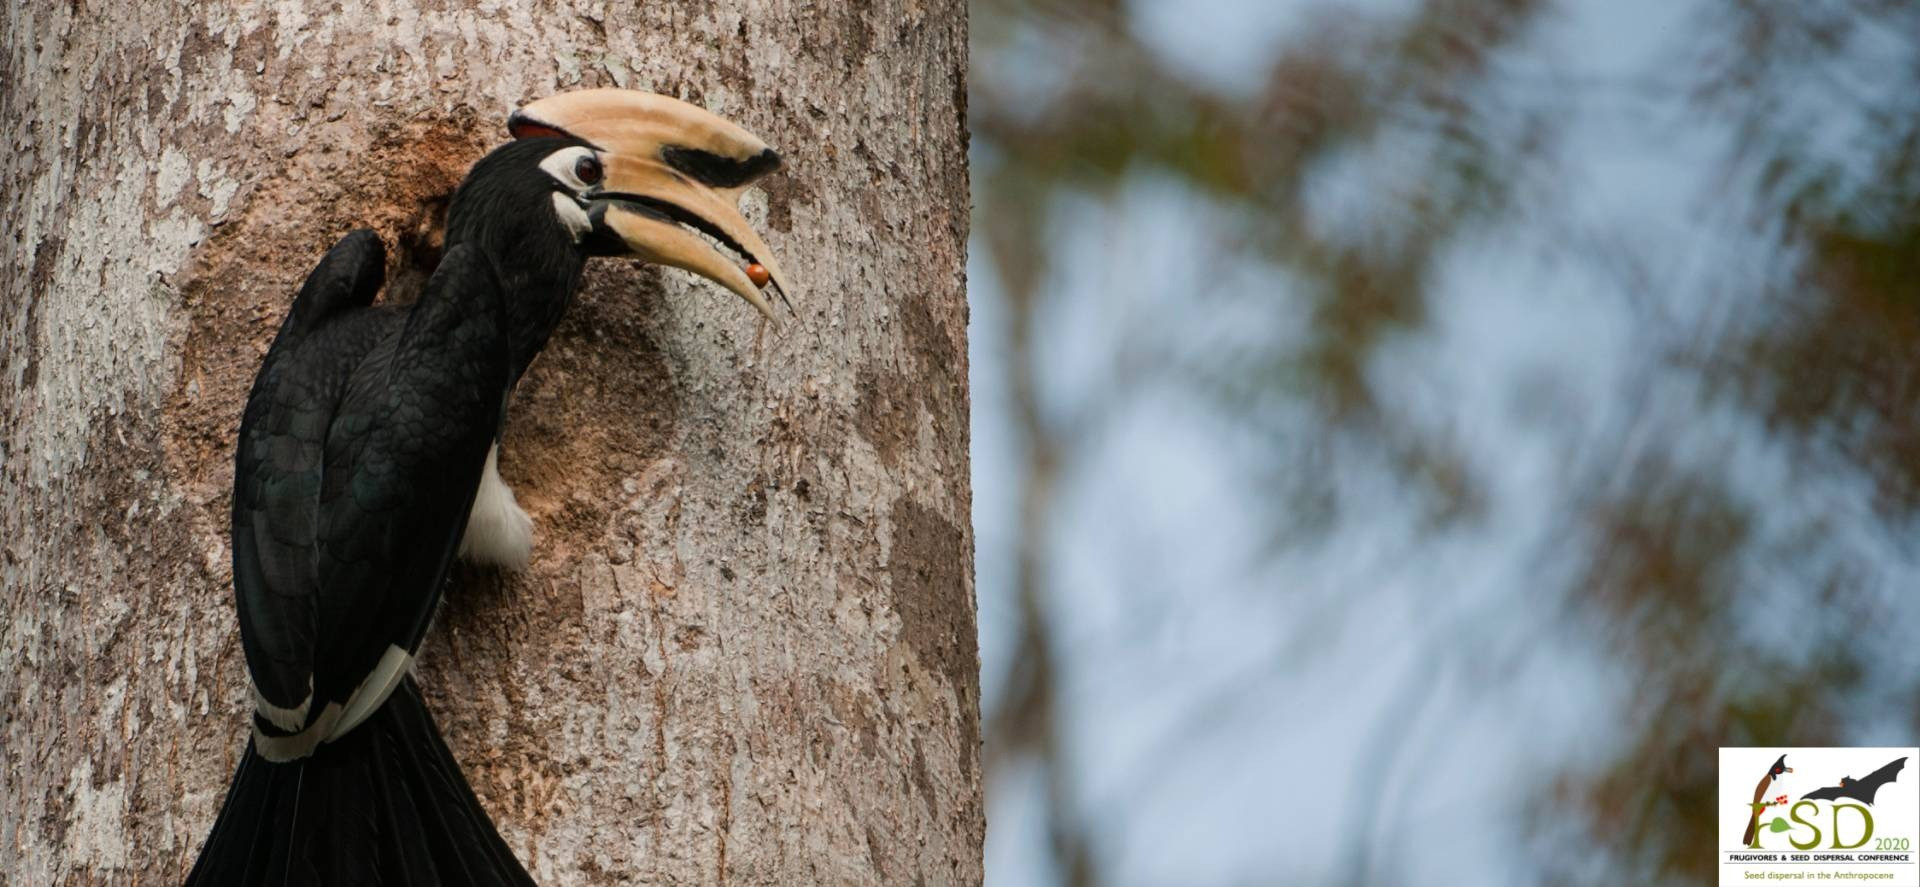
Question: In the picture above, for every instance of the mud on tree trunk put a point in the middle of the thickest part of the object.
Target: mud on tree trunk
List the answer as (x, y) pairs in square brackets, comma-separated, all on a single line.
[(745, 651)]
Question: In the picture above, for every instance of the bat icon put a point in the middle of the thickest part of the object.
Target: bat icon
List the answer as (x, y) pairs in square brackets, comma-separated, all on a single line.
[(1862, 789)]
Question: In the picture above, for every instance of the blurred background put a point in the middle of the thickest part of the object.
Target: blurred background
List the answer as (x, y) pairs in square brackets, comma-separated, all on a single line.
[(1411, 436)]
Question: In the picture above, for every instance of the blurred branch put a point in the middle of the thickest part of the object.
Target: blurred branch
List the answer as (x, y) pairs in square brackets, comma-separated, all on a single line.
[(1372, 149), (1027, 722)]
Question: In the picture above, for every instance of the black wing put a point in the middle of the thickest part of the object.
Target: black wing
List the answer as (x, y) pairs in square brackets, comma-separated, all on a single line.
[(348, 277), (276, 473), (1830, 793), (404, 460), (1864, 789), (365, 453)]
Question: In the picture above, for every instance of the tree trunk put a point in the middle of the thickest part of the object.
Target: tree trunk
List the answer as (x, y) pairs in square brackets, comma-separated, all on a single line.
[(745, 652)]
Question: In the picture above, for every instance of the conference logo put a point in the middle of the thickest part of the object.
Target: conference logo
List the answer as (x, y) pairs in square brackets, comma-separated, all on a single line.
[(1820, 815)]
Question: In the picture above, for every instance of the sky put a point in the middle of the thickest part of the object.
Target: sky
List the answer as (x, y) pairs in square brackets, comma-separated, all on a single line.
[(1383, 701)]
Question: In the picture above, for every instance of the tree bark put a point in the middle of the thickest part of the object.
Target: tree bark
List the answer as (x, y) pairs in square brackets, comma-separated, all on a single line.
[(745, 651)]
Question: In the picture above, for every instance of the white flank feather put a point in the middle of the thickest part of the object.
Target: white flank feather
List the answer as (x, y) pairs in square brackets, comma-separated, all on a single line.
[(499, 533)]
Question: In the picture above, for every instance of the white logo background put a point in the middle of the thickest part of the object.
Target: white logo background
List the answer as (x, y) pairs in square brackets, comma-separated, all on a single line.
[(1891, 857)]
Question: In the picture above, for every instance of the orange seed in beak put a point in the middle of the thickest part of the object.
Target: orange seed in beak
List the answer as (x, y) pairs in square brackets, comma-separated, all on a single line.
[(758, 274)]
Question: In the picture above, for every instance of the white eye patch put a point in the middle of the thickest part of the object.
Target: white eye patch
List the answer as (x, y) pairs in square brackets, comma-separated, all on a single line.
[(576, 168)]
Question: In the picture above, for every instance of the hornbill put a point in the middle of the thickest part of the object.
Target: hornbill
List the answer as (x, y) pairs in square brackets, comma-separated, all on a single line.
[(367, 460)]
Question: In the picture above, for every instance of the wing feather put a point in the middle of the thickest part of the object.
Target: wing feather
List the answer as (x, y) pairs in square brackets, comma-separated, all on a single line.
[(403, 462), (276, 473), (361, 450)]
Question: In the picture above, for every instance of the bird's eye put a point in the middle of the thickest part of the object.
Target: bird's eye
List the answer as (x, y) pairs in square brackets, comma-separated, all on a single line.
[(587, 170)]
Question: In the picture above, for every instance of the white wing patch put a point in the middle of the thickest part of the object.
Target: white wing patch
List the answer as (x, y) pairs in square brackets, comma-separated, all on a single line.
[(284, 718), (281, 749), (498, 533), (373, 690), (336, 719)]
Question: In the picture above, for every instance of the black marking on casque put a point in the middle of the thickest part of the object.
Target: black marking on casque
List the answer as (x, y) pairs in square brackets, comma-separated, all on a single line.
[(715, 171)]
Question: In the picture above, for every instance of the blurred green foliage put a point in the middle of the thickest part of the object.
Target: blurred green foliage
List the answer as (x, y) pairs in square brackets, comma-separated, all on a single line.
[(1417, 113)]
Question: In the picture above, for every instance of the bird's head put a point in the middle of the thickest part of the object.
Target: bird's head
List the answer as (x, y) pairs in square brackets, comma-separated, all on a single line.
[(529, 193), (674, 176)]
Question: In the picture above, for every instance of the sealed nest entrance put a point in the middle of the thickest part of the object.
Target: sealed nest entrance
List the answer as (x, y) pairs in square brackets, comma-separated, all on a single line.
[(394, 178), (594, 410)]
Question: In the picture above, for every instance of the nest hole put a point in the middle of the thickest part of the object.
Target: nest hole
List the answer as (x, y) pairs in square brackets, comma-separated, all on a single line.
[(417, 249)]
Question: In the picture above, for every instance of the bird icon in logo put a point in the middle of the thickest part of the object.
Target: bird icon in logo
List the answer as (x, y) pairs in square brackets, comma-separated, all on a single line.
[(1759, 794)]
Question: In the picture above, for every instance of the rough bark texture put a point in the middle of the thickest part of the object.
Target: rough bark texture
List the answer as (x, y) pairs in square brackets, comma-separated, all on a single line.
[(745, 652)]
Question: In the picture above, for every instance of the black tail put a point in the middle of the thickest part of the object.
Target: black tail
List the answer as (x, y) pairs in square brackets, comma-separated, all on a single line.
[(384, 804)]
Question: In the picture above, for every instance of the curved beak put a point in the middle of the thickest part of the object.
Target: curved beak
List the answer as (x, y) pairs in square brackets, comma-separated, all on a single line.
[(675, 174)]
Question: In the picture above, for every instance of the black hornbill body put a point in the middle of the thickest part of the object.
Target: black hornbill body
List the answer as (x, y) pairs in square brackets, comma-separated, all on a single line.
[(366, 463)]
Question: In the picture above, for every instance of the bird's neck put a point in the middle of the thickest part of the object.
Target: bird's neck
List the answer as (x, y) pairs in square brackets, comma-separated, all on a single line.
[(538, 270), (537, 299)]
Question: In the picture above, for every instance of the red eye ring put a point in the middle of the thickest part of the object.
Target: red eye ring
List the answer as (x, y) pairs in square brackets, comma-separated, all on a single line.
[(587, 169)]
